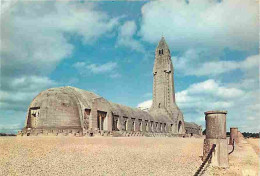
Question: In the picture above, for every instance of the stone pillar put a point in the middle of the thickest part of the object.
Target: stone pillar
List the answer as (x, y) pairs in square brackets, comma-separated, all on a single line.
[(240, 136), (149, 126), (110, 121), (144, 126), (93, 125), (140, 125), (120, 123), (128, 125), (216, 134), (93, 122), (100, 122), (233, 135)]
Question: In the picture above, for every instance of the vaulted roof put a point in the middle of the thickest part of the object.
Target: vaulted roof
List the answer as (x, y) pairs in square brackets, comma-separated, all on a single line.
[(81, 99)]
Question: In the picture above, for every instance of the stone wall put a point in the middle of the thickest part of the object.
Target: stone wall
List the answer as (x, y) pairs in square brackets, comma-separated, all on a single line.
[(193, 131)]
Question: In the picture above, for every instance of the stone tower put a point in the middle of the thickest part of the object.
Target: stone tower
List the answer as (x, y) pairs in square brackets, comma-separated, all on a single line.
[(163, 87), (163, 84)]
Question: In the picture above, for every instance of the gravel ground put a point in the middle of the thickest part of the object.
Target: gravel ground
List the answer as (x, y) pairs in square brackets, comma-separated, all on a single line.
[(244, 161), (99, 156), (255, 143)]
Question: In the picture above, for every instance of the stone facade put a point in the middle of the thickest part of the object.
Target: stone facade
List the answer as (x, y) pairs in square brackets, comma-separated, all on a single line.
[(192, 129), (70, 111)]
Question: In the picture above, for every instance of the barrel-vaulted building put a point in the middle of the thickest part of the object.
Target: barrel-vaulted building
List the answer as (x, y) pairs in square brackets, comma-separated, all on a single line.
[(73, 111)]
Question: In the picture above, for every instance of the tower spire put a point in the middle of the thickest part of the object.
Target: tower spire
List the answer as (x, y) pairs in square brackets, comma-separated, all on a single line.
[(163, 83), (162, 44)]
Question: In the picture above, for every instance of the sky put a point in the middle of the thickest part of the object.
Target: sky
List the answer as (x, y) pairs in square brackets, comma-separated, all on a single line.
[(108, 48)]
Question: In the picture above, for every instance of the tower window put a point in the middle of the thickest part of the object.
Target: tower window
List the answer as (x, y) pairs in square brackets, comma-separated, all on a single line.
[(160, 51), (87, 111)]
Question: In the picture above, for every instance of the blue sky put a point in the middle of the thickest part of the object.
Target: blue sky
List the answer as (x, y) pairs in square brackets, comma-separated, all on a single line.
[(108, 48)]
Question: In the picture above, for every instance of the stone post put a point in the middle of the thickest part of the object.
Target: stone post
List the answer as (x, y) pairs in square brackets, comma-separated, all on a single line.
[(233, 135), (240, 136), (216, 134)]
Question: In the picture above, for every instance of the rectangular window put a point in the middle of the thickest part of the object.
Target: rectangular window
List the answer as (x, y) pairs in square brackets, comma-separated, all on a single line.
[(34, 113), (87, 111)]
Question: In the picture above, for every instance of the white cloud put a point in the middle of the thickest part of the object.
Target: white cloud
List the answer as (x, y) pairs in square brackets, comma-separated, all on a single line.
[(240, 103), (207, 95), (35, 34), (6, 5), (128, 29), (109, 67), (35, 38), (211, 87), (251, 118), (201, 23), (103, 68), (126, 37), (149, 94), (198, 93), (18, 93), (145, 105), (193, 62), (250, 62)]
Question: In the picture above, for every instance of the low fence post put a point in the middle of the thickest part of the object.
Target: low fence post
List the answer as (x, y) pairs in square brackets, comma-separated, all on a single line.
[(216, 134), (233, 135)]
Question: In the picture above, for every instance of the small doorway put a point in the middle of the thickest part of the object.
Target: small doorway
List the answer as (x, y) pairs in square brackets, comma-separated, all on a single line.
[(140, 125), (33, 115), (180, 127), (102, 120), (125, 127), (133, 124), (152, 126), (115, 123)]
